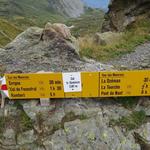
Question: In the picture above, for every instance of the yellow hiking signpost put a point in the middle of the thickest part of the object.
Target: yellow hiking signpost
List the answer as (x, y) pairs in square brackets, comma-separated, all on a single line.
[(78, 84)]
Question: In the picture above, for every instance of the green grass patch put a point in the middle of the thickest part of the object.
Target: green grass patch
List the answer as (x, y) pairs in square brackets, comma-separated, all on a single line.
[(8, 32), (133, 121), (127, 102), (23, 121), (19, 123)]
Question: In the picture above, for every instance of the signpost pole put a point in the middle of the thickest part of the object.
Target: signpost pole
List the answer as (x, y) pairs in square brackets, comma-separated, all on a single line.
[(45, 101), (3, 100)]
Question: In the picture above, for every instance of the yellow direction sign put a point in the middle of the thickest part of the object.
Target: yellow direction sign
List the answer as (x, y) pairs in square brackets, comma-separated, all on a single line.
[(26, 86), (76, 84), (126, 83), (90, 84)]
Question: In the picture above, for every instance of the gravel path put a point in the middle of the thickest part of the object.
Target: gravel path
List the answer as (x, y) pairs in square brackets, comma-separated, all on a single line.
[(139, 59)]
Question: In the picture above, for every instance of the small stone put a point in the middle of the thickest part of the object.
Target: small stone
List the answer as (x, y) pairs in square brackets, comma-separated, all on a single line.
[(123, 67)]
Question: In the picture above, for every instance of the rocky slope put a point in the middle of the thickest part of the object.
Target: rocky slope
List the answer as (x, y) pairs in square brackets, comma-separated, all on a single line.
[(138, 59), (70, 8), (45, 8), (122, 13), (75, 124)]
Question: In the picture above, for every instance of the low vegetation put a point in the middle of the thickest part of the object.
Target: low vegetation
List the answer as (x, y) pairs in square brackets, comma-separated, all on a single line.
[(8, 32), (135, 35), (20, 123), (133, 121), (24, 122), (2, 125), (128, 102)]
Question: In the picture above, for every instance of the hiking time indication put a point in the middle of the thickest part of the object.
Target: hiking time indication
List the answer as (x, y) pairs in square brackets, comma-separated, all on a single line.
[(78, 84), (127, 83)]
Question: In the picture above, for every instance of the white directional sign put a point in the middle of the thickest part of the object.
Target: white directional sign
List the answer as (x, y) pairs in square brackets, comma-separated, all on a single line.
[(72, 82)]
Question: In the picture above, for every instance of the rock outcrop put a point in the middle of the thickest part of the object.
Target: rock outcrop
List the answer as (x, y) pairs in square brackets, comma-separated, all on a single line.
[(122, 13), (69, 124), (107, 38), (71, 8), (50, 49)]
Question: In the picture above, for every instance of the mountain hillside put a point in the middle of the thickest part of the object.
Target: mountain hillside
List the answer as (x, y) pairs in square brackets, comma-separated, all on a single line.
[(36, 12), (44, 8), (71, 8), (8, 32), (22, 14), (87, 24)]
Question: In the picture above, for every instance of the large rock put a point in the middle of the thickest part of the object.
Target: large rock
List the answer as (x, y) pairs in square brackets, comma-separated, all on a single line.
[(9, 136), (49, 49), (56, 30), (124, 12), (74, 124), (107, 38), (89, 128)]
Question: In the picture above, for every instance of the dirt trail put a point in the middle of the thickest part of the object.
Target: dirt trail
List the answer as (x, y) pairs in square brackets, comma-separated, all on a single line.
[(139, 59)]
